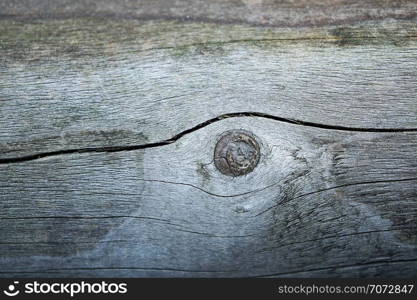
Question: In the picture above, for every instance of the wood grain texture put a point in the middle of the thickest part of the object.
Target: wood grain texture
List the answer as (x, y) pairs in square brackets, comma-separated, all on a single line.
[(318, 199), (255, 12), (73, 89), (110, 112)]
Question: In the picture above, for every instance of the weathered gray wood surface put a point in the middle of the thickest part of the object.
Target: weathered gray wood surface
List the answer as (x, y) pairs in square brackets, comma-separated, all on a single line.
[(109, 115)]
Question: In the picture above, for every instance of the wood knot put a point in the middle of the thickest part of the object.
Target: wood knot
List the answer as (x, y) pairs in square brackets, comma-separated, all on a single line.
[(237, 153)]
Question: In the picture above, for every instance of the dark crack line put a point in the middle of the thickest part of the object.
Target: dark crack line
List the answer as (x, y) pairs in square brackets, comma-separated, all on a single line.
[(197, 127), (357, 265), (88, 218), (70, 242), (211, 235), (208, 192), (333, 188), (120, 268), (270, 249)]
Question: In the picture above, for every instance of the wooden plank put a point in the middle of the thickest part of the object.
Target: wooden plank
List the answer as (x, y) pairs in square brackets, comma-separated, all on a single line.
[(76, 84), (109, 115), (137, 99), (321, 202)]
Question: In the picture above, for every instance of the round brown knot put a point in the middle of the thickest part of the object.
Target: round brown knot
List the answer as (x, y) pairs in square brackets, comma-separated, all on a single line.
[(237, 153)]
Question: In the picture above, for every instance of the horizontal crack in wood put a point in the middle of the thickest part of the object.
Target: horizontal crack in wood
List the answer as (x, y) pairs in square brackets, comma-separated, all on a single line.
[(197, 127), (120, 268), (359, 264), (336, 187)]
